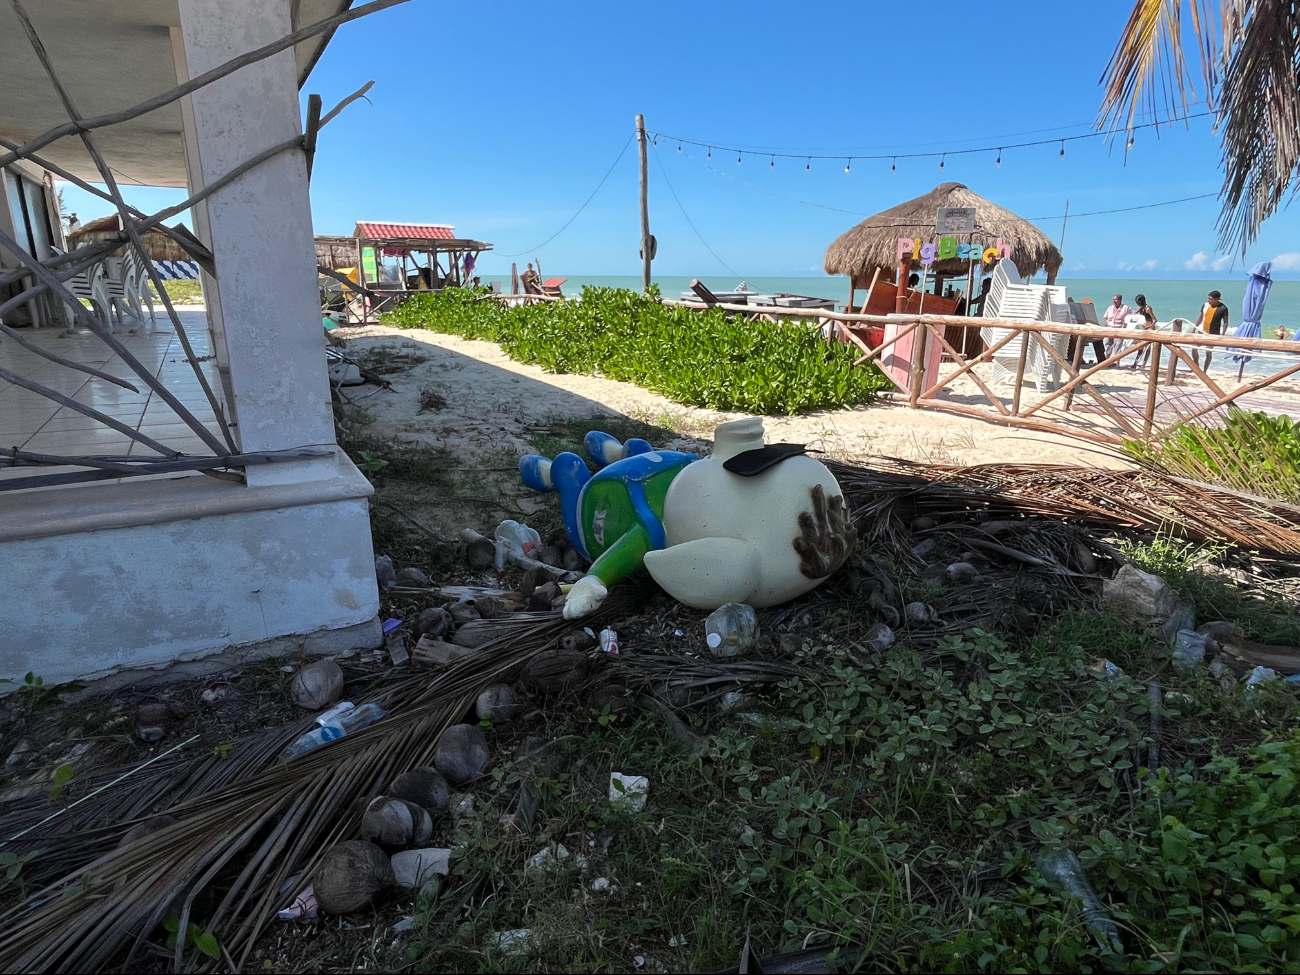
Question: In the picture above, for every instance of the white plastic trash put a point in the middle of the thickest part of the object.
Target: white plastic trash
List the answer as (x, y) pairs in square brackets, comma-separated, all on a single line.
[(628, 791)]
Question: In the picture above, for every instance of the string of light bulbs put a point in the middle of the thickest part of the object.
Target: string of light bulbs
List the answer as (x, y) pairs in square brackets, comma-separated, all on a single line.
[(942, 154)]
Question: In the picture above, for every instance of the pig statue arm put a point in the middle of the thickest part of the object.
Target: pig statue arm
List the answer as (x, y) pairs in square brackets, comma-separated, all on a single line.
[(616, 563)]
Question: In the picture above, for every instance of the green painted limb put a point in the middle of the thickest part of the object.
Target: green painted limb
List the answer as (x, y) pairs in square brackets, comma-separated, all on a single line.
[(624, 558)]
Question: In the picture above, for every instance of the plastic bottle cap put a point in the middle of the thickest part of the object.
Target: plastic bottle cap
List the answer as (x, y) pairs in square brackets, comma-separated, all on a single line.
[(714, 640)]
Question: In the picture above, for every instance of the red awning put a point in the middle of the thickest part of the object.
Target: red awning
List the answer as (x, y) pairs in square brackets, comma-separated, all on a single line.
[(376, 230)]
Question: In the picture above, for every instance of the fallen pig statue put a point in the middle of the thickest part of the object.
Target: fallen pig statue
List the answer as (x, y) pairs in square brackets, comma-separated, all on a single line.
[(753, 523)]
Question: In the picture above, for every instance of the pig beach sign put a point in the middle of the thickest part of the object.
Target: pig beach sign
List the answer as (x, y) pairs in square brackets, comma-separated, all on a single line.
[(948, 247)]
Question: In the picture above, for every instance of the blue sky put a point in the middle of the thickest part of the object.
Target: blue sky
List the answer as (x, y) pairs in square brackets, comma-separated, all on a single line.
[(501, 119)]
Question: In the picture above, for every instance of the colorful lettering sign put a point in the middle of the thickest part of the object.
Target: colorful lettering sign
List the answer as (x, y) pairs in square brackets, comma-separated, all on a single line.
[(926, 252)]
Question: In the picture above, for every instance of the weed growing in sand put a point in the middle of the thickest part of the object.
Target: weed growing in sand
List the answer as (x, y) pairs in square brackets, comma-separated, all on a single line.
[(697, 358)]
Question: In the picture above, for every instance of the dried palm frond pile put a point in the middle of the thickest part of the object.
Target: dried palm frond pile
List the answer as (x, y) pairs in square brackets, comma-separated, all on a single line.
[(1142, 499)]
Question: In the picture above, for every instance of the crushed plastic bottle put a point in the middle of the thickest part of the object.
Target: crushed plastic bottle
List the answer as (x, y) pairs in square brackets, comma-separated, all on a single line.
[(385, 572), (1064, 874), (342, 724), (731, 628), (515, 540)]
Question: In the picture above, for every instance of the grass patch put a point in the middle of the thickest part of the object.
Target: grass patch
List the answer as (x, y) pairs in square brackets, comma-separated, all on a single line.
[(184, 292), (707, 358), (1251, 452)]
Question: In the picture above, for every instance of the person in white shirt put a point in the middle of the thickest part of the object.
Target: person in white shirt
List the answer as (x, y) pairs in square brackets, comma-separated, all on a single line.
[(1116, 312)]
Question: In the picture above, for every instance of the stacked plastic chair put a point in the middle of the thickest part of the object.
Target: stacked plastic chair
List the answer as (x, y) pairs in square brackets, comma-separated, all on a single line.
[(1012, 299)]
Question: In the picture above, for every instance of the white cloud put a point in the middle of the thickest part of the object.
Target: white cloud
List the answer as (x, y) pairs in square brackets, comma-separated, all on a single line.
[(1222, 263), (1124, 266), (1083, 267), (1197, 262), (1290, 261), (1150, 264)]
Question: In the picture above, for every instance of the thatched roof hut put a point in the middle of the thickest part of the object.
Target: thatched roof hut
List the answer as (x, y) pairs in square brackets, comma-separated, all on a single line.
[(157, 245), (874, 242)]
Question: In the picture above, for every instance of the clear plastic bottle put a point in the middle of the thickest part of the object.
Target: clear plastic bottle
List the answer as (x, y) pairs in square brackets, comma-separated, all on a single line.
[(385, 572), (515, 540), (730, 628), (1064, 873), (340, 726)]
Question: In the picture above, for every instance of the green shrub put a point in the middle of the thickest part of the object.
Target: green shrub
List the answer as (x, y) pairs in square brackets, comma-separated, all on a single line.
[(700, 358)]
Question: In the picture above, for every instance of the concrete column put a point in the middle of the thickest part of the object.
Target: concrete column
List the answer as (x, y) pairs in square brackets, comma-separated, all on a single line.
[(264, 307)]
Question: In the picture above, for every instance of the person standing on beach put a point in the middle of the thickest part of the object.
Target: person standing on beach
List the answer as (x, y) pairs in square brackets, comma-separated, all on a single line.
[(530, 281), (1148, 322), (1116, 312), (1213, 321)]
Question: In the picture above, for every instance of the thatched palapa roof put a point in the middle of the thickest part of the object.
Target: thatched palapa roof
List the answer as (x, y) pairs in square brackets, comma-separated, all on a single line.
[(157, 245), (874, 242)]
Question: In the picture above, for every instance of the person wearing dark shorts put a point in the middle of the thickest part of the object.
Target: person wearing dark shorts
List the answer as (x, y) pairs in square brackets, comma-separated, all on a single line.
[(1213, 321)]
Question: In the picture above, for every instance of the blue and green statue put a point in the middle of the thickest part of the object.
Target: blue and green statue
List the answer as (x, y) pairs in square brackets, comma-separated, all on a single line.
[(752, 523)]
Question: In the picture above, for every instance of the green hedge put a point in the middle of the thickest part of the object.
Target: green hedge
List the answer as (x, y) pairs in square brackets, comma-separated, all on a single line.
[(700, 358)]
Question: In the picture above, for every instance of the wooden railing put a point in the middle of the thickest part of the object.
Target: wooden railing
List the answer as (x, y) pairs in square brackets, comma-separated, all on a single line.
[(1111, 414)]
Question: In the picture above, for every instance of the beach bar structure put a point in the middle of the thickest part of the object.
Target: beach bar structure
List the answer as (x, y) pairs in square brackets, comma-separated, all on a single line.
[(180, 494), (392, 260), (871, 254)]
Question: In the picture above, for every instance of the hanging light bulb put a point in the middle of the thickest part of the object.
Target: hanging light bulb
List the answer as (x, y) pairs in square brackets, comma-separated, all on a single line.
[(773, 163), (894, 168), (710, 155), (848, 164), (1062, 148), (737, 158), (941, 160), (807, 167), (1130, 141), (999, 163), (679, 148)]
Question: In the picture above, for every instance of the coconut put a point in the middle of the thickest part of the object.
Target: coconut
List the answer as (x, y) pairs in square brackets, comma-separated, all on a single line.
[(461, 753), (556, 670), (582, 639), (388, 822), (421, 824), (498, 704), (350, 876), (423, 786), (317, 685), (141, 830), (434, 622), (614, 697)]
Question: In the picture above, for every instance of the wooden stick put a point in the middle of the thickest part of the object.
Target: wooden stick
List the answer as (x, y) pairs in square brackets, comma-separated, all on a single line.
[(1148, 415), (194, 84), (984, 356), (875, 353), (18, 337), (311, 131), (1243, 391), (128, 224), (1196, 368), (918, 363), (961, 360), (1077, 359), (1043, 426), (1020, 374), (333, 112)]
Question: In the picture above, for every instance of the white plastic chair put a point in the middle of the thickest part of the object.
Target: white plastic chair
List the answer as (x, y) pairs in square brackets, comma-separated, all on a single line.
[(92, 285), (1015, 301)]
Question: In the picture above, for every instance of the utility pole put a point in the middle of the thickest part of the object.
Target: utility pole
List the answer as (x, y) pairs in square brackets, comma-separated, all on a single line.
[(647, 242)]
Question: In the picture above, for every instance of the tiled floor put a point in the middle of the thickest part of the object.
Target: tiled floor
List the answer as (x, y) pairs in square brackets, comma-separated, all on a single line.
[(31, 422)]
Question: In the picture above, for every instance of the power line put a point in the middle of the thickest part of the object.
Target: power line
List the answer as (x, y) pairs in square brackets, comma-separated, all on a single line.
[(581, 208), (664, 171), (843, 157), (1144, 206)]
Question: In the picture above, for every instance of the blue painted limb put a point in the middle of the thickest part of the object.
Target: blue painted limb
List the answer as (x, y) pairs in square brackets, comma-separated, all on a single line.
[(535, 472), (635, 445), (569, 474), (602, 448)]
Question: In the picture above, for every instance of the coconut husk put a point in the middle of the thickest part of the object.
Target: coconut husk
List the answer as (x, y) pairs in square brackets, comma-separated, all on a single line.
[(461, 753), (317, 686), (350, 876), (423, 786)]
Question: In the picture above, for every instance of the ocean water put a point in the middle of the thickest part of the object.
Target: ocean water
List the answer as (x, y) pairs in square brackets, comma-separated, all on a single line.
[(1169, 298)]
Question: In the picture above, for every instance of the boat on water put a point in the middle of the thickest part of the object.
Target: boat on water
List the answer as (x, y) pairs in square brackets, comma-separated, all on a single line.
[(742, 295)]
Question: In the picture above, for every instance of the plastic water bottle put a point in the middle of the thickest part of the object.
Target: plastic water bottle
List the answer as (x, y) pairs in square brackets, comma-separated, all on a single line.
[(343, 724), (385, 572), (1064, 873), (731, 628), (515, 540)]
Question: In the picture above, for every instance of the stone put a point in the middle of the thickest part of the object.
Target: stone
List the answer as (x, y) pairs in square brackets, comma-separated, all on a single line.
[(461, 805), (572, 561), (628, 792), (434, 622), (547, 858), (214, 695), (498, 704), (152, 722), (582, 639), (461, 753), (384, 572), (351, 875), (919, 614), (317, 686), (924, 548), (476, 633), (543, 596), (600, 884), (550, 555), (962, 572), (411, 576), (419, 869), (880, 637), (424, 786), (736, 699), (463, 612)]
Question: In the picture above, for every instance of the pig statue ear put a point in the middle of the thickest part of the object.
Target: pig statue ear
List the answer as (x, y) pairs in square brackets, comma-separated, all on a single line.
[(706, 572)]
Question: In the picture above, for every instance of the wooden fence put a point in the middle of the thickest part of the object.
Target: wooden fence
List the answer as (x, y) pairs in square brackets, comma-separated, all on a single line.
[(1112, 409)]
